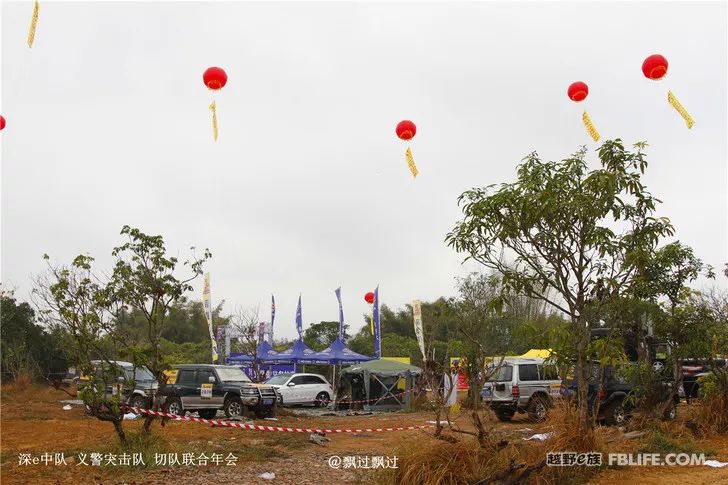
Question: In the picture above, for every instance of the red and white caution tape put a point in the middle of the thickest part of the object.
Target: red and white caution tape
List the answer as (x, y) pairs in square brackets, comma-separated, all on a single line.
[(233, 424)]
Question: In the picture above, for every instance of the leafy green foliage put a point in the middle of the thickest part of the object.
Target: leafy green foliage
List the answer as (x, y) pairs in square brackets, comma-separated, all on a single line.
[(27, 348)]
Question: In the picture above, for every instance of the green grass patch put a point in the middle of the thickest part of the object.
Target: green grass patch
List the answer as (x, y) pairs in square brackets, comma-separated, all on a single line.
[(659, 442)]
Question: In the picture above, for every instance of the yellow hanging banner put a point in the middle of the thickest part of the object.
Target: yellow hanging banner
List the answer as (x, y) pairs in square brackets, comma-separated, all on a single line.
[(679, 108), (33, 24), (411, 162), (213, 108), (590, 128)]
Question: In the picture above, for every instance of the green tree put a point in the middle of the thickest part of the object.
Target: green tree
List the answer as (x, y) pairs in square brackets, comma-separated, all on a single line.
[(74, 298), (576, 235), (144, 279), (27, 348), (320, 335)]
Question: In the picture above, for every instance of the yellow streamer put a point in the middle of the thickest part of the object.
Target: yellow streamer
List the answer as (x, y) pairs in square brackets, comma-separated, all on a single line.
[(33, 24), (679, 108), (214, 120), (411, 162), (590, 128), (371, 321)]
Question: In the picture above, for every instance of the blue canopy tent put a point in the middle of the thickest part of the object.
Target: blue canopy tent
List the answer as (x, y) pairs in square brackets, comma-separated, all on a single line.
[(237, 358), (265, 353), (337, 353), (299, 353)]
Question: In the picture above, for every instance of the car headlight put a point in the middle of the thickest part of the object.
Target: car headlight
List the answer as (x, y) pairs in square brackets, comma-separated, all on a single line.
[(248, 391)]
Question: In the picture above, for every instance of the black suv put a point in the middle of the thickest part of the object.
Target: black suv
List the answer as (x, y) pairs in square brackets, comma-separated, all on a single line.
[(614, 407), (205, 388)]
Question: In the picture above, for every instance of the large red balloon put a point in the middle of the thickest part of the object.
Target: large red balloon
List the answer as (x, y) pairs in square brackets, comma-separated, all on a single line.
[(654, 67), (369, 297), (2, 122), (578, 91), (215, 78), (406, 130)]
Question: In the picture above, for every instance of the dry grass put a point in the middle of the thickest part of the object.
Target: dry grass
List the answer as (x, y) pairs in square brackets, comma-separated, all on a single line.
[(20, 383), (711, 415)]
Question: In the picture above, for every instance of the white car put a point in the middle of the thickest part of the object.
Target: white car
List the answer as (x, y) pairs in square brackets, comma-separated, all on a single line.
[(302, 388)]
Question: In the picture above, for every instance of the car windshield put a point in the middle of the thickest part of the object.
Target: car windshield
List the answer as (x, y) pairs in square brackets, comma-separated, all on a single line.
[(279, 380), (227, 374), (143, 374), (505, 373)]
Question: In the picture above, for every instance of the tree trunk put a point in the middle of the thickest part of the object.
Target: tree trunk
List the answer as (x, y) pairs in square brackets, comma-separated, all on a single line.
[(120, 430), (583, 391)]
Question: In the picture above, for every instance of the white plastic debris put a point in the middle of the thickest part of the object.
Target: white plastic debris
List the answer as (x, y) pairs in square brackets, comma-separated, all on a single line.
[(67, 407), (714, 463), (539, 437), (271, 419), (130, 416), (268, 476)]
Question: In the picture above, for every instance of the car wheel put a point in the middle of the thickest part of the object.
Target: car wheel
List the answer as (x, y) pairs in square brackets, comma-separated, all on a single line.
[(504, 416), (322, 399), (174, 406), (234, 408), (538, 409), (207, 413), (138, 401), (615, 415)]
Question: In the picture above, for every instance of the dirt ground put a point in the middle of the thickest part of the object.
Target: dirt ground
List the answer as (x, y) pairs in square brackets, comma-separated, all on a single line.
[(33, 421)]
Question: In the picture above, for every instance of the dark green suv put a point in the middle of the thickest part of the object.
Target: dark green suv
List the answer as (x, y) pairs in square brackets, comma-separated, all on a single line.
[(206, 388)]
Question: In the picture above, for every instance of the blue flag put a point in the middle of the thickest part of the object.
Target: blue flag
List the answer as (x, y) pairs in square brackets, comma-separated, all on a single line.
[(377, 332), (341, 314), (272, 314), (299, 319)]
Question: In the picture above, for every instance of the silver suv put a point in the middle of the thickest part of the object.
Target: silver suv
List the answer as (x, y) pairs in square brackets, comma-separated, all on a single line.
[(524, 385)]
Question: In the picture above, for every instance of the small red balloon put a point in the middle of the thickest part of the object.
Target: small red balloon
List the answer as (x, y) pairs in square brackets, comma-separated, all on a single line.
[(369, 297), (2, 122), (654, 67), (406, 130), (578, 91), (215, 78)]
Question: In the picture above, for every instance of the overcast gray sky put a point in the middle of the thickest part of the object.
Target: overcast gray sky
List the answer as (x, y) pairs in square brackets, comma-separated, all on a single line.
[(307, 187)]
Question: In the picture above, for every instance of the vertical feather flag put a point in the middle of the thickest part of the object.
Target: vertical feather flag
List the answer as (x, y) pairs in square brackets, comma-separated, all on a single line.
[(341, 313), (207, 303), (377, 329), (299, 319), (272, 317)]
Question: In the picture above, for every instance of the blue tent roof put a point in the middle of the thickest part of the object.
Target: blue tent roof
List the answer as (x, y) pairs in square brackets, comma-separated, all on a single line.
[(299, 352), (337, 353), (265, 353), (236, 358)]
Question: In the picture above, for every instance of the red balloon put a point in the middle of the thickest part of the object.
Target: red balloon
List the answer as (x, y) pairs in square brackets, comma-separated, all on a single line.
[(369, 297), (2, 122), (578, 91), (406, 130), (654, 67), (215, 78)]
